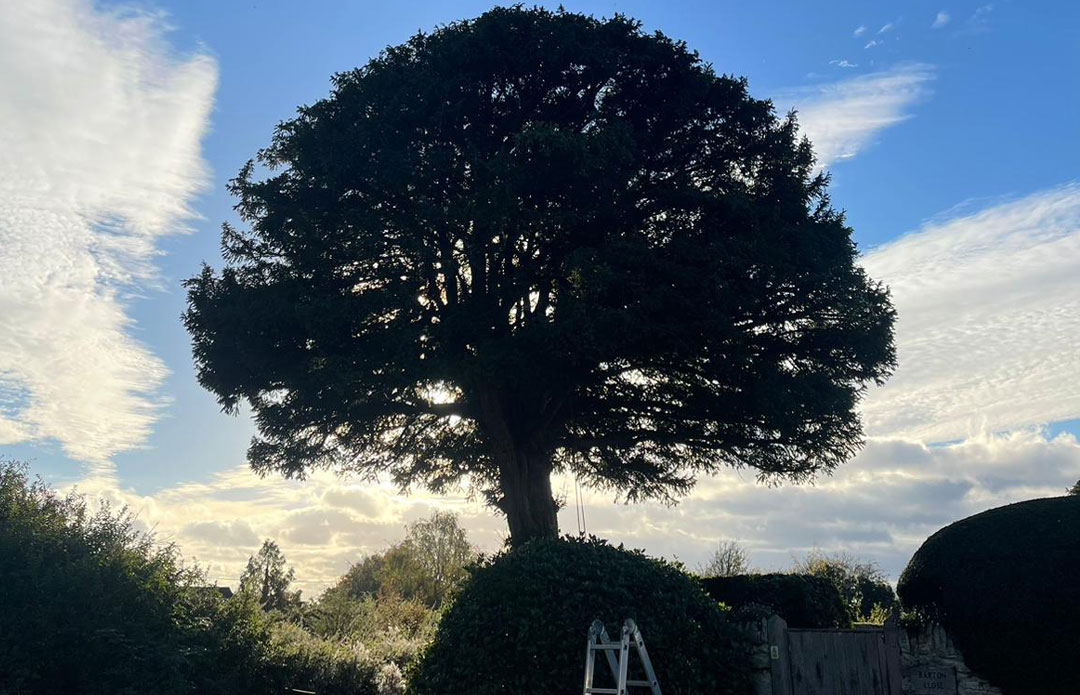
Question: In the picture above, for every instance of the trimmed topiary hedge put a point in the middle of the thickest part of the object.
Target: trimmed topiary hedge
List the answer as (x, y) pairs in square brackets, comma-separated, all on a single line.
[(520, 624), (802, 600), (1005, 584)]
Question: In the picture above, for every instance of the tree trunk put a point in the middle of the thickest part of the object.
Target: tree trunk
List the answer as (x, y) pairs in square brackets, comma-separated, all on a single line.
[(527, 500), (524, 473)]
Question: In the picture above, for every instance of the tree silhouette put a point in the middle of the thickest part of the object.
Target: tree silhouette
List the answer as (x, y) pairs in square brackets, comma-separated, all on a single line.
[(267, 576), (541, 242)]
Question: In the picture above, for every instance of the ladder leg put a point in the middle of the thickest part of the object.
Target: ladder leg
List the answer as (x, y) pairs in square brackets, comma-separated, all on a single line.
[(643, 653), (624, 659), (589, 661)]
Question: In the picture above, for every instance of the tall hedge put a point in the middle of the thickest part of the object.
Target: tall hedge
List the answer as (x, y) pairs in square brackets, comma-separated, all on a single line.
[(802, 600), (1005, 584), (88, 605), (520, 623)]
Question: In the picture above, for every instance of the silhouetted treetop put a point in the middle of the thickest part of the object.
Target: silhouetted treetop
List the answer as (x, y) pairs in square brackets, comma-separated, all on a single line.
[(533, 242)]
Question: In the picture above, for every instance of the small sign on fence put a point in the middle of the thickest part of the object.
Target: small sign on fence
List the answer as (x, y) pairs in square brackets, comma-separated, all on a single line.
[(931, 680)]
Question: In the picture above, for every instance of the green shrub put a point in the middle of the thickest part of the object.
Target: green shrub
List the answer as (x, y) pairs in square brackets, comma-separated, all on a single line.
[(89, 605), (802, 600), (1006, 586), (391, 629), (520, 623)]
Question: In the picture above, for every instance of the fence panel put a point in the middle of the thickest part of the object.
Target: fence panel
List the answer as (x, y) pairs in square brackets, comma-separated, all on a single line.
[(839, 662)]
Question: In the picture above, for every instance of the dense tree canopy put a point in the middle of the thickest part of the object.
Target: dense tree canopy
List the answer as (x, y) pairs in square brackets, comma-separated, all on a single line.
[(534, 242)]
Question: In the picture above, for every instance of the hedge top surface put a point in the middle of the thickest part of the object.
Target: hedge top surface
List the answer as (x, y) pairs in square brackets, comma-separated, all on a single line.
[(1002, 541), (802, 600)]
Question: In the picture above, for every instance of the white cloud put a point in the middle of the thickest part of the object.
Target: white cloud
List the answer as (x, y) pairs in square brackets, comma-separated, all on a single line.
[(989, 314), (886, 28), (843, 64), (100, 129), (859, 30), (940, 20), (872, 43), (841, 118), (881, 505)]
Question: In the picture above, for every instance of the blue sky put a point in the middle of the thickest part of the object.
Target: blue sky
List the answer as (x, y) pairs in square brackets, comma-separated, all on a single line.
[(951, 131)]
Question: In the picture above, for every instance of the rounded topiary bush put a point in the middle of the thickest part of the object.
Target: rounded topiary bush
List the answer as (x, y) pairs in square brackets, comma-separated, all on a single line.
[(520, 624), (1005, 584), (802, 600)]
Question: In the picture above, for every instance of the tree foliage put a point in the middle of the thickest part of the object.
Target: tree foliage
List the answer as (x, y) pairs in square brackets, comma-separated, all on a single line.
[(538, 241), (861, 583), (427, 566), (268, 577)]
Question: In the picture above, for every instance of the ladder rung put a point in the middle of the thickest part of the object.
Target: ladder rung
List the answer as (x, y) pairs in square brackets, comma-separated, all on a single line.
[(643, 684), (602, 691), (616, 646)]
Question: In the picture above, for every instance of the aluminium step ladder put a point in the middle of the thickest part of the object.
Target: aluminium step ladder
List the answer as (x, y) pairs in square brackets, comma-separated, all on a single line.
[(618, 659)]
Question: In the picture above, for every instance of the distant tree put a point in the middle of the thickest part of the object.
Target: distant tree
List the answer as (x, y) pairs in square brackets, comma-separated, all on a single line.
[(861, 583), (728, 560), (1075, 489), (443, 551), (538, 241), (426, 567), (267, 576)]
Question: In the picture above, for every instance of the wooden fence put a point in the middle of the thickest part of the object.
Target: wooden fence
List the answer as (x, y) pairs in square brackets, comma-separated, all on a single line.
[(860, 661)]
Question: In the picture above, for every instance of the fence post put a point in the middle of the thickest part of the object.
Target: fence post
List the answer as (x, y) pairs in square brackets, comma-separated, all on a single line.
[(780, 665), (892, 654)]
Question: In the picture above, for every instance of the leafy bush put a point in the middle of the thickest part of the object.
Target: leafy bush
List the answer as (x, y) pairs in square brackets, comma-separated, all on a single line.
[(1004, 583), (391, 629), (803, 600), (863, 586), (88, 604), (520, 622)]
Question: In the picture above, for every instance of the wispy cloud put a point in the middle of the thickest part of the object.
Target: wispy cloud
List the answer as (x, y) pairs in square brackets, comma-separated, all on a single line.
[(979, 21), (843, 64), (842, 118), (100, 128), (872, 43), (940, 20), (989, 308), (886, 28), (859, 30)]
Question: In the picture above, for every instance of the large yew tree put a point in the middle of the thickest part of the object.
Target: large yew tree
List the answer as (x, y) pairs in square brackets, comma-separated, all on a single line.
[(541, 242)]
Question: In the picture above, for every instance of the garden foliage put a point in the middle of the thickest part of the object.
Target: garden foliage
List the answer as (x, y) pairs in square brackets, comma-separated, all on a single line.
[(1004, 584), (520, 623)]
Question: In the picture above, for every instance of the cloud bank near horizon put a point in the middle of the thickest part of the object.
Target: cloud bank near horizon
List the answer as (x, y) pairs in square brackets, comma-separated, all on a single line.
[(100, 126), (881, 505)]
